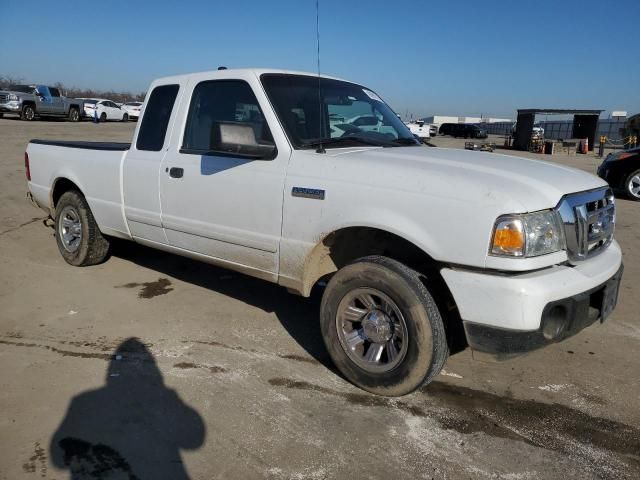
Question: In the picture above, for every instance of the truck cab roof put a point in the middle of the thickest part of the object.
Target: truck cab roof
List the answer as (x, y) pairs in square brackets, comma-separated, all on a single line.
[(236, 73)]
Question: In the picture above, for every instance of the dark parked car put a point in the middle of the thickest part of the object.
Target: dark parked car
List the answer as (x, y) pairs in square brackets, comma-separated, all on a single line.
[(468, 131), (462, 130), (446, 128), (622, 171)]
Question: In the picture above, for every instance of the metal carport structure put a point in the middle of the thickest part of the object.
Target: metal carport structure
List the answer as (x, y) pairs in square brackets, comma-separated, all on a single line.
[(585, 124)]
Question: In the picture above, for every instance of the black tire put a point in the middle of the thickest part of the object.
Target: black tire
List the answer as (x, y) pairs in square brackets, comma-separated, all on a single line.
[(92, 247), (125, 117), (74, 114), (628, 187), (28, 113), (426, 350), (103, 117)]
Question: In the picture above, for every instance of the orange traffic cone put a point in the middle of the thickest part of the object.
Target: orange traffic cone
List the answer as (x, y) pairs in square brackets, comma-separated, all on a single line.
[(586, 146)]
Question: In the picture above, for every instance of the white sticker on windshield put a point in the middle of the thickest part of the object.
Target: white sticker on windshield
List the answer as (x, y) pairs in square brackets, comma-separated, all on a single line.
[(371, 95)]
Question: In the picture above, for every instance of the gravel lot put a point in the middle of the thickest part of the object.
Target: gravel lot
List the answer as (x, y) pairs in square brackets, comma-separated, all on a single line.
[(182, 370)]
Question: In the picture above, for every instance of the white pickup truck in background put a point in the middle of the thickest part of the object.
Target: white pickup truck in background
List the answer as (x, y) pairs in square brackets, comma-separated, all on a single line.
[(243, 169), (420, 129)]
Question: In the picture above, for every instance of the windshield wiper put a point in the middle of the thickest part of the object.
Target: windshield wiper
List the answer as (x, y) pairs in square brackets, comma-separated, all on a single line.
[(325, 142)]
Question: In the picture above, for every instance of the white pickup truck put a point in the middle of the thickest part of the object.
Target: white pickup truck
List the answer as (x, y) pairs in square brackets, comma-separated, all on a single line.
[(421, 130), (242, 168)]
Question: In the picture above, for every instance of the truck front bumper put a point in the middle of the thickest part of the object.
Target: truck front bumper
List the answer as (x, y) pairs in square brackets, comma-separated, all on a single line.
[(514, 313), (10, 107)]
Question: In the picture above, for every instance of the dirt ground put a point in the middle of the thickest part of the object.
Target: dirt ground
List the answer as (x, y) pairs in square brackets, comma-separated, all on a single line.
[(183, 370)]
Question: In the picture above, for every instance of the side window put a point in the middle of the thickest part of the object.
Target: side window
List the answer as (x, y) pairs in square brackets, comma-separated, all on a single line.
[(156, 118), (224, 116), (44, 91), (54, 92)]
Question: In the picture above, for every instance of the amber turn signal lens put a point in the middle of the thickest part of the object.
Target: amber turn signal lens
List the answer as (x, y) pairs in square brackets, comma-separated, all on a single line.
[(508, 238)]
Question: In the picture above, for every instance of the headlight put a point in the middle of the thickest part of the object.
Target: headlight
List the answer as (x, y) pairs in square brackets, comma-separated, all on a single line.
[(12, 97), (527, 235)]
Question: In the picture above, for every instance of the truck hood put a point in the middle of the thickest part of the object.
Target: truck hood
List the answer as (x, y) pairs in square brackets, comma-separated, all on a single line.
[(19, 94), (517, 184)]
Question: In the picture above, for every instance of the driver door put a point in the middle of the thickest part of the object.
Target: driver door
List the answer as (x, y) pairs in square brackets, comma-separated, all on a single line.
[(43, 99), (218, 203)]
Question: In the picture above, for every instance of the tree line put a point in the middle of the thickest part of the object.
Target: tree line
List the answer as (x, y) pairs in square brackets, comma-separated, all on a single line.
[(75, 92)]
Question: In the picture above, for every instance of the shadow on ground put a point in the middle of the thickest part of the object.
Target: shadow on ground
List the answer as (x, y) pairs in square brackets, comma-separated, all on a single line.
[(132, 428), (298, 315)]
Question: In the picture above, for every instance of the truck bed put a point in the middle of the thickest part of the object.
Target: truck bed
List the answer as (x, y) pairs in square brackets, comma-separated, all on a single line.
[(94, 167), (110, 146)]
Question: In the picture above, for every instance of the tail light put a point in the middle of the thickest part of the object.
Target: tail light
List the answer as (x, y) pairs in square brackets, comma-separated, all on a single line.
[(27, 171)]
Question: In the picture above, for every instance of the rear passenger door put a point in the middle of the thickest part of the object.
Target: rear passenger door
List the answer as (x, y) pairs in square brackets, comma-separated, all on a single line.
[(142, 165), (113, 111), (216, 202)]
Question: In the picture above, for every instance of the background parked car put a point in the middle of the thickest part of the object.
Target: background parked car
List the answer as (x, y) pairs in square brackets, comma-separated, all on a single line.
[(31, 101), (104, 110), (420, 129), (447, 128), (468, 131), (622, 171), (132, 109)]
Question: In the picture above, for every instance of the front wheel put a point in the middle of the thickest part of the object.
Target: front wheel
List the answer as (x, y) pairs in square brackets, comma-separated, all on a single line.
[(103, 117), (125, 118), (79, 239), (632, 186), (382, 328), (74, 115), (28, 113)]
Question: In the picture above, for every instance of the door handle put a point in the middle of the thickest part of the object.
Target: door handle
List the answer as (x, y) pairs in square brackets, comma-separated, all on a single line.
[(176, 172)]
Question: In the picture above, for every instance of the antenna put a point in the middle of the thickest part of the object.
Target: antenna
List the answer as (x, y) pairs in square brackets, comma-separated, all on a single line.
[(320, 148)]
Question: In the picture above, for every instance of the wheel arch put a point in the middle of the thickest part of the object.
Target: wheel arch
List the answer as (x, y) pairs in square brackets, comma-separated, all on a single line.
[(343, 245), (347, 244), (60, 186)]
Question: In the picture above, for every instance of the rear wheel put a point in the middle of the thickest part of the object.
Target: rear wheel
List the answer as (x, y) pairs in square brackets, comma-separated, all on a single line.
[(78, 237), (382, 328), (74, 115), (28, 113), (632, 186), (103, 117)]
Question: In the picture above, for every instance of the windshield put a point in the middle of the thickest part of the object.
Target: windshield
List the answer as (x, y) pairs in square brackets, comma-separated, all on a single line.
[(350, 114), (22, 88), (91, 102)]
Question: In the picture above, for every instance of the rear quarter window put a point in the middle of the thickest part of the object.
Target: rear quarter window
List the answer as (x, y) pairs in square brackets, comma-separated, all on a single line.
[(156, 118)]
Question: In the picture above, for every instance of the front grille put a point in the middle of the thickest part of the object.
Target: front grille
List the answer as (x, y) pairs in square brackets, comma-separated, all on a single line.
[(589, 220), (4, 98)]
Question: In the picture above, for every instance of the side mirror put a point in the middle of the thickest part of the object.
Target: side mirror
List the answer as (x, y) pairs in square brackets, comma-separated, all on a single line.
[(240, 139)]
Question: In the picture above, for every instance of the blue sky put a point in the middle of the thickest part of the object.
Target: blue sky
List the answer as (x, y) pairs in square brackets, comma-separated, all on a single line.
[(435, 57)]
